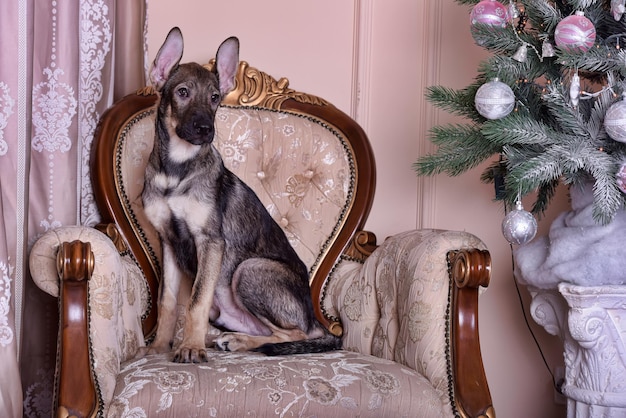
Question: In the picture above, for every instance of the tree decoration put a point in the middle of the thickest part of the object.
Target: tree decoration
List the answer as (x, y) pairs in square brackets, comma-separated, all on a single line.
[(575, 33), (490, 12), (621, 178), (547, 50), (615, 121), (513, 10), (494, 99), (574, 89), (519, 226), (617, 9), (521, 54)]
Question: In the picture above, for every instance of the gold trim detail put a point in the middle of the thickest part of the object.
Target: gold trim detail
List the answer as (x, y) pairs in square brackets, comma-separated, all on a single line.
[(257, 88), (146, 91)]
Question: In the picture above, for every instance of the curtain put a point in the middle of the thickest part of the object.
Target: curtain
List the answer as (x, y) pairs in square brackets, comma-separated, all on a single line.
[(63, 64)]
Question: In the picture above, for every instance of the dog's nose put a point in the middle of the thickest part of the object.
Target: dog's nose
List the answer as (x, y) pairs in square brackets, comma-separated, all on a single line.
[(203, 129)]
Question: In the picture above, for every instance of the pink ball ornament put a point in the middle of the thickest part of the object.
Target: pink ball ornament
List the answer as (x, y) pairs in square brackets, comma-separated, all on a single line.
[(490, 12), (575, 33)]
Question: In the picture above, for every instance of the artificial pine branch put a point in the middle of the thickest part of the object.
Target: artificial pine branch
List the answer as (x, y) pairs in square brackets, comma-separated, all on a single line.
[(461, 148), (456, 102), (542, 15)]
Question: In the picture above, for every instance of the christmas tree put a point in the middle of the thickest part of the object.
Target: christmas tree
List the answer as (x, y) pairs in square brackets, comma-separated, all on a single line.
[(548, 103)]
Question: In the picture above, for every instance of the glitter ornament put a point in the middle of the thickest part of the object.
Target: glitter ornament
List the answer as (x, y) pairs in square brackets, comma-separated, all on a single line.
[(547, 50), (494, 99), (575, 33), (615, 121), (513, 10), (521, 54), (574, 89), (490, 12), (519, 226), (618, 8), (621, 178)]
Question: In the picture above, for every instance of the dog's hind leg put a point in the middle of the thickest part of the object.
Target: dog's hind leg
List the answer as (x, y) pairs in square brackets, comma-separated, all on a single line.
[(238, 341), (278, 298)]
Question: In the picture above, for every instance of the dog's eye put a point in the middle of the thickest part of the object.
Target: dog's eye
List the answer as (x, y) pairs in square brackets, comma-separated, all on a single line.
[(215, 98), (183, 92)]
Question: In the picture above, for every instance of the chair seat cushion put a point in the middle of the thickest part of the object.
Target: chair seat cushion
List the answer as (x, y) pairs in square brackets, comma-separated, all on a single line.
[(333, 384)]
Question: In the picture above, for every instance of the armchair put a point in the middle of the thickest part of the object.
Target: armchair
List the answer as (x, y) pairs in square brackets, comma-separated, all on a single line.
[(407, 309)]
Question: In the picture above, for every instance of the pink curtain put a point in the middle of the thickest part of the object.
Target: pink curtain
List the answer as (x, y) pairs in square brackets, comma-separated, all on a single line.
[(63, 64)]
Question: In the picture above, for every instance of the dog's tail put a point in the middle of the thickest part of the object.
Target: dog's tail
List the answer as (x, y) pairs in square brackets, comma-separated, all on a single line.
[(327, 342)]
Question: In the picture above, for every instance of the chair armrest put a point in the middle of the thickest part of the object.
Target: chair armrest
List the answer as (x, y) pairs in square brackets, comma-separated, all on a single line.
[(404, 302), (102, 299)]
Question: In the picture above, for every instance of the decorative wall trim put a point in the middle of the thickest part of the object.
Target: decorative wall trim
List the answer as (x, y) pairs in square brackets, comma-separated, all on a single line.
[(361, 62), (431, 39)]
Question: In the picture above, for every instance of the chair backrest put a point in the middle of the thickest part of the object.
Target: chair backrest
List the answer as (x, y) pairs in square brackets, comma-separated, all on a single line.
[(310, 164)]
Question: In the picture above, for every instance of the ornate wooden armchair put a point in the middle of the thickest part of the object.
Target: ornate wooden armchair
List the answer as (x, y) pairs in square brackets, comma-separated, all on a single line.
[(407, 309)]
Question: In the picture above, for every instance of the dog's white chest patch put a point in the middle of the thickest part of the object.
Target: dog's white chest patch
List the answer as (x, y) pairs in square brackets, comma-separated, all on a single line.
[(172, 204), (180, 150), (195, 213)]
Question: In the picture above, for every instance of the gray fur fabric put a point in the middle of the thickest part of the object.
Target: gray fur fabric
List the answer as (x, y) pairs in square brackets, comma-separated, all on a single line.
[(576, 250)]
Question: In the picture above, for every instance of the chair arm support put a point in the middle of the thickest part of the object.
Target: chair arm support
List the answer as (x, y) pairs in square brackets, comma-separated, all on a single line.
[(102, 299), (469, 270), (77, 394)]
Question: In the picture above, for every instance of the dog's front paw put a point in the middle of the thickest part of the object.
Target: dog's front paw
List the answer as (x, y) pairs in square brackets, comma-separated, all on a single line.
[(151, 349), (187, 354), (232, 341)]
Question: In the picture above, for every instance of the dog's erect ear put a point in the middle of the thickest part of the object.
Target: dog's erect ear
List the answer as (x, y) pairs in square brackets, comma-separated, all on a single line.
[(226, 62), (167, 58)]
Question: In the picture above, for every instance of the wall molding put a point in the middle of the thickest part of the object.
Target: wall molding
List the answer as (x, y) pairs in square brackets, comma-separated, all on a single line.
[(361, 62), (431, 40)]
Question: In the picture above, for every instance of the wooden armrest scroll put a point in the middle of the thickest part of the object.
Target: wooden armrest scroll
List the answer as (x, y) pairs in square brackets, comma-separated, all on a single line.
[(111, 231), (77, 395), (361, 246), (469, 269)]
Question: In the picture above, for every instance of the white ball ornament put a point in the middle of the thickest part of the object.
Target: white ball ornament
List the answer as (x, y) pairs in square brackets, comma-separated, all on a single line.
[(494, 99), (615, 121), (519, 226)]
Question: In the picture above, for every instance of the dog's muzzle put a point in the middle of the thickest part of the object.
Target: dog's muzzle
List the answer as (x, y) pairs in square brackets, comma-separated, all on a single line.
[(197, 131)]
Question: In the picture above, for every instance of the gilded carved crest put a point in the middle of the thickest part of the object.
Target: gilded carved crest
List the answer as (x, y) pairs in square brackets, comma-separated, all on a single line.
[(256, 88)]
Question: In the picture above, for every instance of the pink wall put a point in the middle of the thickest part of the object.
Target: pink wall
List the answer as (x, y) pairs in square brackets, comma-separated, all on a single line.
[(373, 60)]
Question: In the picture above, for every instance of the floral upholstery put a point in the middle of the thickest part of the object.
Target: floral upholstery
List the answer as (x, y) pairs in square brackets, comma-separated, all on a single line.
[(335, 384), (393, 306)]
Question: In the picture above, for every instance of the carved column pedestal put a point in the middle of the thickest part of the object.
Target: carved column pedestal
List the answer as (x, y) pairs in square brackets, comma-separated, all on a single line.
[(591, 322)]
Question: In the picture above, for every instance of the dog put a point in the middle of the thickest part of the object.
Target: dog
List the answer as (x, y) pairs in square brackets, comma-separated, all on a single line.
[(247, 278)]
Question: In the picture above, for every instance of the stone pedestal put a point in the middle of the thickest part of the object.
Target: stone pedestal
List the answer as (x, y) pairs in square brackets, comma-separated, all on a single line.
[(591, 322)]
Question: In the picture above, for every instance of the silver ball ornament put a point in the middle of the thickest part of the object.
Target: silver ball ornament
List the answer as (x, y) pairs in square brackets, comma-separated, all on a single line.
[(615, 121), (519, 226), (494, 99)]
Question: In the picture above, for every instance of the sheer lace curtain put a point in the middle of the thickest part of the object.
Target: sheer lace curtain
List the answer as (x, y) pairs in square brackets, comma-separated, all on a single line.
[(63, 63)]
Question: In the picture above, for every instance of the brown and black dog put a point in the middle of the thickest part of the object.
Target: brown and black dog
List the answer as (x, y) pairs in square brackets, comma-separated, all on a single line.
[(247, 279)]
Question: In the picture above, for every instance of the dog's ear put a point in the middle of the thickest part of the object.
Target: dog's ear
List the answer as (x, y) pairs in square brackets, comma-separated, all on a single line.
[(226, 63), (167, 58)]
